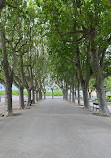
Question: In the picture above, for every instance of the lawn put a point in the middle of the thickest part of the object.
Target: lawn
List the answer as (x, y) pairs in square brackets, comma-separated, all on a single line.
[(16, 92)]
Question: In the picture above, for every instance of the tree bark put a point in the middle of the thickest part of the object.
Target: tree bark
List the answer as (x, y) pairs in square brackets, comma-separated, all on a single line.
[(22, 70), (83, 80), (8, 99), (29, 97), (73, 97), (7, 72), (98, 73), (78, 86), (70, 93), (75, 93), (103, 108), (85, 97), (63, 94), (66, 93), (40, 95), (33, 96), (52, 93), (21, 97), (37, 98)]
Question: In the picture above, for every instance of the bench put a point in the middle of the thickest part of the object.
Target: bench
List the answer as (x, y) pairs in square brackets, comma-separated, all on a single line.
[(95, 106), (31, 102), (25, 102)]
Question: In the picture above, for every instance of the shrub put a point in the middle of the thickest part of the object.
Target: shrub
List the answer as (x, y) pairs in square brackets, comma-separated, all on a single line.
[(16, 92), (48, 93), (55, 93), (108, 99), (25, 93), (58, 93), (2, 92)]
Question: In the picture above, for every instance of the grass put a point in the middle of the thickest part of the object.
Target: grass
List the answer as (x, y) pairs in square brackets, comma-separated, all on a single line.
[(16, 93), (55, 93), (109, 103), (2, 93)]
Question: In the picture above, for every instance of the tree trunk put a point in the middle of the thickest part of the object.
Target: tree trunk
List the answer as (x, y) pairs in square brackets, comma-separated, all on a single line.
[(75, 92), (7, 72), (29, 97), (78, 86), (21, 97), (98, 73), (73, 97), (90, 95), (37, 98), (83, 79), (44, 95), (103, 108), (33, 96), (85, 97), (63, 93), (8, 99), (70, 93), (40, 95), (52, 94), (66, 93)]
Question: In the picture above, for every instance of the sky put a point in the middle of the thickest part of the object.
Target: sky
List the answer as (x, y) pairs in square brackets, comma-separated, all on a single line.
[(13, 87)]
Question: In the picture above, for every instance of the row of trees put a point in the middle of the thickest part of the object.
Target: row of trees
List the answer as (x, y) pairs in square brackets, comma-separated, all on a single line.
[(76, 35), (80, 37), (22, 51)]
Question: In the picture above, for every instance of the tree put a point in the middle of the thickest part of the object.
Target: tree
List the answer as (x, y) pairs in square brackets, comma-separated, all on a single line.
[(8, 51), (85, 21)]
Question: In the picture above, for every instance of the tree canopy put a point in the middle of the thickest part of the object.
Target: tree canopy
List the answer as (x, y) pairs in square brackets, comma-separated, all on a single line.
[(66, 40)]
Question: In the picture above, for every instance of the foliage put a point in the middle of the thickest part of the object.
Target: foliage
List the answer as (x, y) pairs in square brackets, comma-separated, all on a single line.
[(57, 40), (55, 93), (91, 83), (14, 92)]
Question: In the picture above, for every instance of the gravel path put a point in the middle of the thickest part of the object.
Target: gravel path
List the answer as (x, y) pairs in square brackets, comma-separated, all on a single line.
[(55, 129)]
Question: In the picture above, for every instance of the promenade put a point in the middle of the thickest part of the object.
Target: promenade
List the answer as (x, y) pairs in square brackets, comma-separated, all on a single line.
[(54, 128)]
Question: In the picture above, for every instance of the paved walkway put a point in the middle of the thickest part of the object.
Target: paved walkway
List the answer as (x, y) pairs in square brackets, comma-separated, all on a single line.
[(55, 129)]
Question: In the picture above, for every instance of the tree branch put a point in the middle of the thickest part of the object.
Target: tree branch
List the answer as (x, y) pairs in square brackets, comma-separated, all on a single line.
[(10, 5), (2, 4), (74, 32), (16, 84), (74, 41), (103, 57), (56, 21), (18, 42)]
